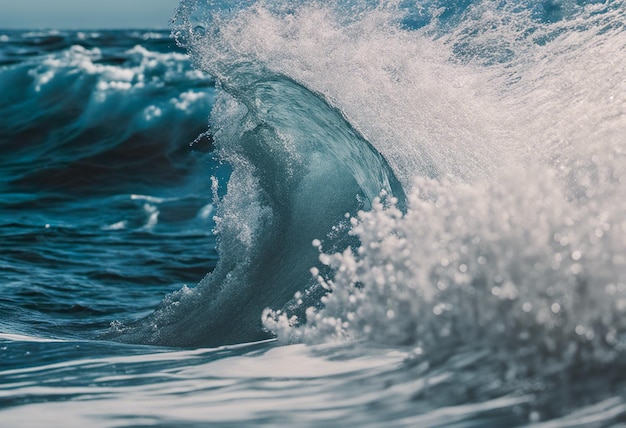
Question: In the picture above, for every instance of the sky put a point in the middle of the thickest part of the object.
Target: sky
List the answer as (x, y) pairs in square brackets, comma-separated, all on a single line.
[(86, 14)]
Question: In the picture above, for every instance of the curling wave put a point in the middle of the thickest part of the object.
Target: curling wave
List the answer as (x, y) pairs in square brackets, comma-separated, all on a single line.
[(299, 170), (504, 124)]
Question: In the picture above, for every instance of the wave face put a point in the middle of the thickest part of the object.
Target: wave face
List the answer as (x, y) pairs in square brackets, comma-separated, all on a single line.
[(502, 121), (299, 170)]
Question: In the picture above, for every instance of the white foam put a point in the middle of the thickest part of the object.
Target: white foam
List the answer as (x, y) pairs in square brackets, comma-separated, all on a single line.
[(148, 198), (154, 36), (186, 99), (206, 212), (120, 225), (398, 88), (37, 34), (510, 144), (144, 67), (151, 113), (153, 216), (23, 338), (536, 233)]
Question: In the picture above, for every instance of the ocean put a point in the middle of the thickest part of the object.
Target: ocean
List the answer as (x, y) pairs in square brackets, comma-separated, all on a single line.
[(317, 214)]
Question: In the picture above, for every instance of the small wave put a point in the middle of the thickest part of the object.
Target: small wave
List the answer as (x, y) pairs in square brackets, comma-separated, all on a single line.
[(153, 199), (120, 225), (22, 338), (157, 102)]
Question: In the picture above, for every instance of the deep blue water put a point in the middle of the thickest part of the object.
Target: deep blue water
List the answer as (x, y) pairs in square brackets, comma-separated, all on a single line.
[(380, 214), (105, 204)]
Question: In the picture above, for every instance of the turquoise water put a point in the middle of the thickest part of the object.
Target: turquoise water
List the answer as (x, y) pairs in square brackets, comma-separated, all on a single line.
[(380, 214)]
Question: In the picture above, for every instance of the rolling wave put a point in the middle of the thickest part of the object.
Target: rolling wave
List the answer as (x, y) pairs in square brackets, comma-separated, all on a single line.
[(120, 113), (502, 122), (299, 170)]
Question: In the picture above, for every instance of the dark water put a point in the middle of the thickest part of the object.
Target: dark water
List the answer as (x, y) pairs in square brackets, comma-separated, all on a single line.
[(395, 215), (105, 206)]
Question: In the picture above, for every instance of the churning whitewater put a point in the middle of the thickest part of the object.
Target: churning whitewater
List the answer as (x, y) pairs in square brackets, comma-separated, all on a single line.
[(400, 214)]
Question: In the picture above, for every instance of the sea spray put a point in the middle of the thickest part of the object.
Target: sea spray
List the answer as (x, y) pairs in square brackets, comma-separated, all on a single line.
[(532, 272), (312, 134)]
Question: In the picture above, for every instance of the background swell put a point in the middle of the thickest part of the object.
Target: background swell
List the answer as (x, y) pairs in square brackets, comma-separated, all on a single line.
[(102, 188), (97, 112)]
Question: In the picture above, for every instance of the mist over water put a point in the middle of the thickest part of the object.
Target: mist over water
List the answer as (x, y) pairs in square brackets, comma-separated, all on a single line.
[(418, 210)]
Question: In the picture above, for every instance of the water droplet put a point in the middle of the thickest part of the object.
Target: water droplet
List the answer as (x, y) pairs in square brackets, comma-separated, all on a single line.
[(534, 417)]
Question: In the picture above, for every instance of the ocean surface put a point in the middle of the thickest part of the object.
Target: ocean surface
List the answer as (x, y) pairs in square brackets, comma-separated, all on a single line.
[(317, 214)]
